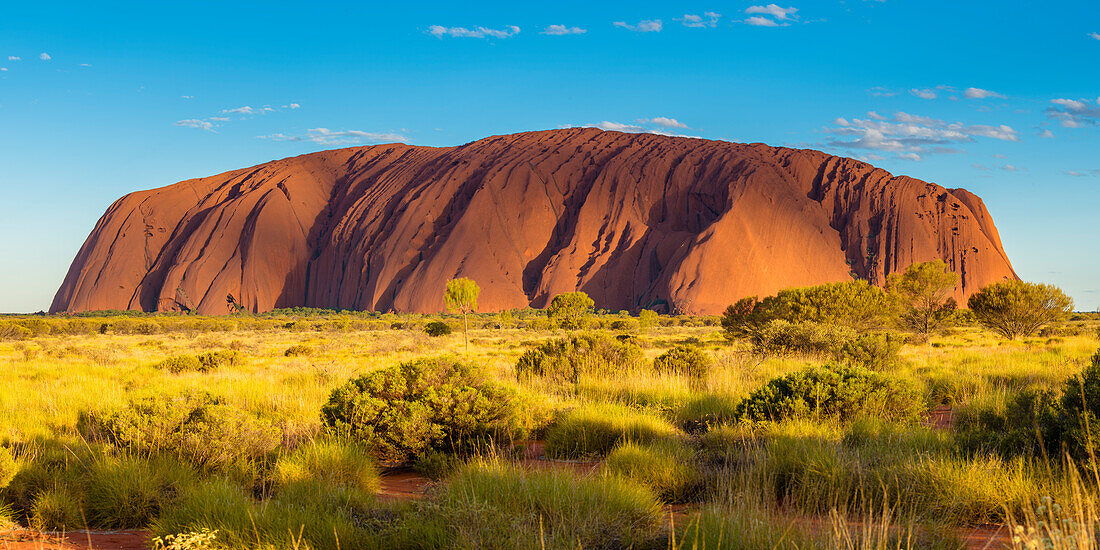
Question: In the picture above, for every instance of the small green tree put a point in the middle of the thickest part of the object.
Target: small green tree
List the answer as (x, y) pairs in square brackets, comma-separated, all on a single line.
[(571, 311), (647, 319), (743, 318), (1017, 308), (461, 297), (924, 293)]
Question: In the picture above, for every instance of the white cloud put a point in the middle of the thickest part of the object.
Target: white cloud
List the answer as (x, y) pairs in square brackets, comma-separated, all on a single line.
[(196, 123), (774, 11), (875, 115), (978, 93), (758, 21), (85, 64), (248, 110), (14, 58), (708, 19), (294, 106), (219, 118), (909, 156), (879, 91), (979, 167), (1011, 168), (663, 121), (1077, 174), (562, 30), (1095, 35), (1047, 134), (324, 136), (1075, 113), (840, 121), (907, 135), (645, 25), (924, 94), (44, 56), (440, 31), (3, 69)]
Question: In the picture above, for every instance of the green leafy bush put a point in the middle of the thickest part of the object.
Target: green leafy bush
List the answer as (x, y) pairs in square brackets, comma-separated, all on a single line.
[(494, 505), (1017, 308), (666, 467), (687, 361), (298, 350), (196, 426), (858, 305), (596, 430), (571, 311), (872, 350), (624, 325), (838, 392), (440, 404), (567, 359), (437, 328)]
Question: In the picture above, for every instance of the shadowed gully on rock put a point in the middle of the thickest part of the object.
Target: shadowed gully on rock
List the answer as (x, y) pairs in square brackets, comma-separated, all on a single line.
[(635, 220)]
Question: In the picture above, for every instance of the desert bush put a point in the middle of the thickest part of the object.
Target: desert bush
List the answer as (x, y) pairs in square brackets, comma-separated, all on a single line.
[(666, 467), (837, 392), (196, 426), (1017, 308), (217, 359), (923, 292), (596, 430), (437, 328), (858, 305), (440, 404), (624, 325), (494, 505), (647, 319), (12, 331), (872, 350), (566, 360), (298, 350), (687, 361), (38, 327), (181, 363)]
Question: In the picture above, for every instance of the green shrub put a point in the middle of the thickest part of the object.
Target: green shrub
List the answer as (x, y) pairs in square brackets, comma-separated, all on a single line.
[(298, 350), (8, 467), (838, 392), (217, 359), (181, 363), (440, 404), (437, 328), (493, 505), (666, 467), (566, 360), (872, 350), (624, 325), (705, 410), (437, 465), (687, 361), (56, 509), (1017, 308), (596, 430), (198, 427), (858, 305)]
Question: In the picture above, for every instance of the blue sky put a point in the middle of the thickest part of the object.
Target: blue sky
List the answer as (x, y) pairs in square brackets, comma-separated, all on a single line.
[(999, 97)]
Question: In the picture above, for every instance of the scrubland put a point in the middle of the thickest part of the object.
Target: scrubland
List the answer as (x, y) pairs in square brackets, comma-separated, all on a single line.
[(278, 430)]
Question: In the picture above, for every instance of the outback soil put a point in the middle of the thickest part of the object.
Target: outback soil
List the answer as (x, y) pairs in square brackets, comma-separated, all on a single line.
[(673, 224)]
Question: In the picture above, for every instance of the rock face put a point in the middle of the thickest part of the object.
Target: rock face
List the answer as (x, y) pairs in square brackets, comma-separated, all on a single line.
[(635, 220)]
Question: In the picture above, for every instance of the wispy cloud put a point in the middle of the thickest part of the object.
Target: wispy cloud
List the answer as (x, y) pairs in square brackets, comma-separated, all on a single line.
[(663, 121), (925, 93), (775, 11), (909, 136), (44, 56), (758, 21), (1046, 134), (1075, 113), (440, 31), (3, 69), (196, 123), (645, 25), (325, 136), (1094, 35), (708, 19), (978, 93), (14, 58), (248, 111), (562, 30)]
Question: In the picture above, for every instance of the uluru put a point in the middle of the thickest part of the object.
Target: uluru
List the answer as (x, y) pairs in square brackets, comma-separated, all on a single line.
[(675, 224)]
